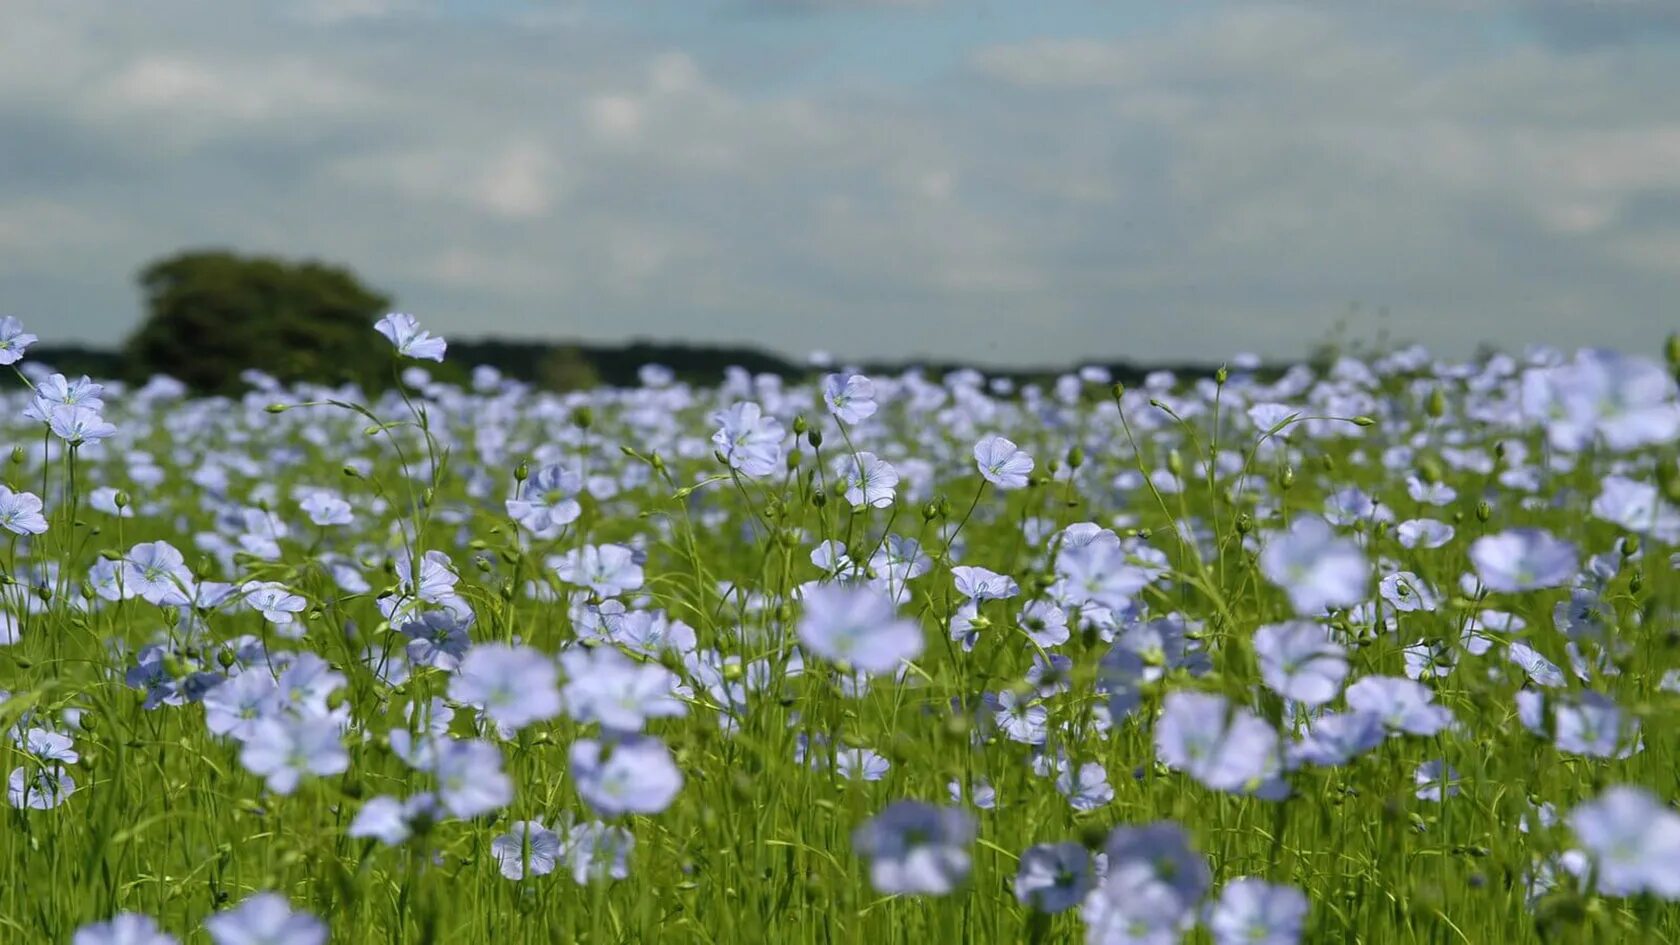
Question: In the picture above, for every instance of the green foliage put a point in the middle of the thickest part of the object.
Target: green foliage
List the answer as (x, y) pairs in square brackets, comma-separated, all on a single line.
[(214, 314)]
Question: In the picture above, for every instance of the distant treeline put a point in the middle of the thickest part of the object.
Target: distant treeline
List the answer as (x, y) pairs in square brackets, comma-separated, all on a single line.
[(566, 366)]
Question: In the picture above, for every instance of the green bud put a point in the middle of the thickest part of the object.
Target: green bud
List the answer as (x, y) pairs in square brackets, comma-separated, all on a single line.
[(794, 458), (1175, 462), (1286, 478), (583, 417), (522, 472), (1630, 545), (1437, 405), (1245, 523), (815, 438), (351, 471), (276, 408), (1221, 376), (819, 498), (1075, 457), (1117, 391), (1363, 421), (121, 499), (800, 426), (17, 454), (1484, 511)]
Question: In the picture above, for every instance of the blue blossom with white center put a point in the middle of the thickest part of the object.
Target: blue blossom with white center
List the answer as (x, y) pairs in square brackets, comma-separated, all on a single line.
[(282, 749), (158, 573), (326, 509), (278, 605), (1407, 593), (1540, 670), (605, 686), (1299, 661), (1021, 717), (392, 820), (1424, 533), (1002, 463), (608, 570), (39, 787), (513, 686), (634, 776), (14, 341), (470, 780), (235, 707), (750, 441), (527, 847), (1429, 659), (1053, 877), (1523, 559), (1152, 881), (128, 928), (916, 849), (1086, 787), (980, 585), (860, 764), (985, 795), (1436, 781), (1225, 747), (858, 627), (76, 424), (1335, 738), (866, 480), (1044, 623), (1591, 724), (1318, 569), (436, 638), (265, 918), (1631, 841), (598, 851), (20, 513), (849, 397), (1403, 704), (431, 580), (1251, 911), (547, 502), (411, 341)]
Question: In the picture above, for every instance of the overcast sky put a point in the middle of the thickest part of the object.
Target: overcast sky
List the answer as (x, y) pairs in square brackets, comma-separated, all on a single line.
[(1000, 181)]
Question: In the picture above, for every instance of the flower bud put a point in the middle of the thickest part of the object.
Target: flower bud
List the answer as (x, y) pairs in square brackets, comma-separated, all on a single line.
[(815, 438), (1437, 405), (1484, 511), (1075, 457), (1117, 391), (276, 408), (800, 426), (1222, 375), (522, 472), (583, 417)]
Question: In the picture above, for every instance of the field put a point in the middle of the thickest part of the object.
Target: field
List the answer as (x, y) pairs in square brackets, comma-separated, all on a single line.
[(1382, 651)]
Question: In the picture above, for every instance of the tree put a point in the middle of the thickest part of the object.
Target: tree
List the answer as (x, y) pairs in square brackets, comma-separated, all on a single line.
[(214, 314)]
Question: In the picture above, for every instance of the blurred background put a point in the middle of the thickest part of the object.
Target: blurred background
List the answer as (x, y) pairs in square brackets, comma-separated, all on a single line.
[(584, 185)]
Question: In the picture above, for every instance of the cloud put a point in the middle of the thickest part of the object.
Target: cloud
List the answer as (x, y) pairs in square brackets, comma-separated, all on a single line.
[(1229, 178)]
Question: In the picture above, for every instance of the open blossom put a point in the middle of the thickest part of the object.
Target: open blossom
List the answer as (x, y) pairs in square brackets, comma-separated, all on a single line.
[(76, 424), (14, 341), (749, 440), (1523, 559), (916, 849), (1001, 463), (858, 626), (20, 512), (410, 340), (866, 480), (850, 397), (1318, 569)]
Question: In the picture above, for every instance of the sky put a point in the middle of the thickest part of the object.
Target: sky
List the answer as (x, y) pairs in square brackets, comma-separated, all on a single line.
[(1002, 182)]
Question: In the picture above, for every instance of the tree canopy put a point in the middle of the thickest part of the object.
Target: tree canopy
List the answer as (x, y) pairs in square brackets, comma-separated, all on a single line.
[(212, 314)]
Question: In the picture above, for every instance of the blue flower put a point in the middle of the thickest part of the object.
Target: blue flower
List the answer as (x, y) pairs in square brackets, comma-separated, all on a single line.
[(1299, 661), (1523, 559), (634, 776), (129, 928), (513, 686), (265, 919), (1632, 842), (1053, 877), (1001, 463), (1254, 912), (411, 341), (858, 627), (914, 848)]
